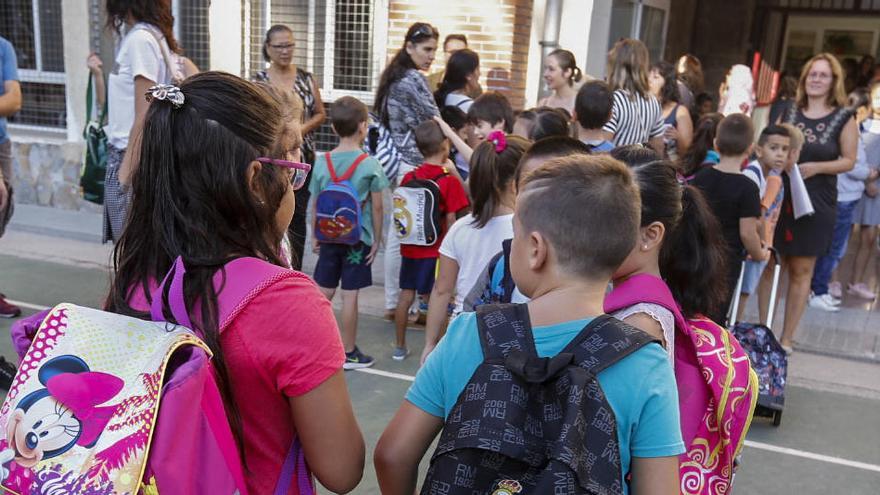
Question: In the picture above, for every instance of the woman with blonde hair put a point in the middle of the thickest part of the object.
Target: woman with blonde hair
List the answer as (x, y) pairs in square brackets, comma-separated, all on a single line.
[(830, 145), (636, 116)]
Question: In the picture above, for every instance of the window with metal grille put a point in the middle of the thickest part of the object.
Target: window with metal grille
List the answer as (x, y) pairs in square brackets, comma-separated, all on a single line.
[(192, 31), (33, 27), (334, 41), (353, 45)]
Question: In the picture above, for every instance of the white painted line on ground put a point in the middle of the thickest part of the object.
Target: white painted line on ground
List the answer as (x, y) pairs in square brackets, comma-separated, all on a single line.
[(387, 374), (755, 445), (27, 305), (816, 457)]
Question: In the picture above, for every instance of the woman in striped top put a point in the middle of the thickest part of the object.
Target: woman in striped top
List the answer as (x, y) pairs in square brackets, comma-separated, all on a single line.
[(636, 116)]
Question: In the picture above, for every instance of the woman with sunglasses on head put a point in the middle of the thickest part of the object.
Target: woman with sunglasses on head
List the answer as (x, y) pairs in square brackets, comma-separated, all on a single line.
[(403, 101), (308, 108), (215, 189)]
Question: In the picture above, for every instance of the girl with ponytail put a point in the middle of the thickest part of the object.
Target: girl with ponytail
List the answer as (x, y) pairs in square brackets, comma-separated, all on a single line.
[(562, 75), (474, 239), (675, 276), (678, 243), (215, 186)]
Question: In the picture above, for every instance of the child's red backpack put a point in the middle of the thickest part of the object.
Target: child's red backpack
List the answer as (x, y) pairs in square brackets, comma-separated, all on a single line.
[(717, 388)]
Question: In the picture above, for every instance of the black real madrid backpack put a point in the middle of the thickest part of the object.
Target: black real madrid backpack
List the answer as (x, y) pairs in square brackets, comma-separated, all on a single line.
[(531, 425)]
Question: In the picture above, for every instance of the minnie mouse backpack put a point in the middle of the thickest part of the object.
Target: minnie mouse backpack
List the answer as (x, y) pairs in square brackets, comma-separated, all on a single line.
[(107, 404)]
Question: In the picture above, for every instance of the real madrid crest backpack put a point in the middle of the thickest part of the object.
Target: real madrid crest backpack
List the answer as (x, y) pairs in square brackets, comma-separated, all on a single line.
[(417, 212)]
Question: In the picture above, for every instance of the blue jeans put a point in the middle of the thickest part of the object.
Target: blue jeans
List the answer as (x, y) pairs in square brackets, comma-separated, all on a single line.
[(826, 264)]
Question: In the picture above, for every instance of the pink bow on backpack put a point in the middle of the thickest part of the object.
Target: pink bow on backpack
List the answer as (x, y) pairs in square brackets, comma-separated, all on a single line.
[(82, 393)]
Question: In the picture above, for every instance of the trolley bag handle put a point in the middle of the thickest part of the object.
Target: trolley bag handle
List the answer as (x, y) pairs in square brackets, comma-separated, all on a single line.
[(774, 290), (734, 302), (348, 173)]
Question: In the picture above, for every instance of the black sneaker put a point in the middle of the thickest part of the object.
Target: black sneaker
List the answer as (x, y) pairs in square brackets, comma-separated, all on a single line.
[(357, 359), (7, 373)]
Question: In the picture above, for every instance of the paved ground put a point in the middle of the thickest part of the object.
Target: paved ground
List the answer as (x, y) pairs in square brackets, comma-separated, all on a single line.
[(829, 441), (834, 437)]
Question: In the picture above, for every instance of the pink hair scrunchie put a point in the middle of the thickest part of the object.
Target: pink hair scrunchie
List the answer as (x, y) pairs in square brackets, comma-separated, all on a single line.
[(499, 140)]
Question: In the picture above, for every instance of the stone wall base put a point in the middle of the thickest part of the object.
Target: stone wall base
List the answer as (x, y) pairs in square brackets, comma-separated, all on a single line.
[(47, 174)]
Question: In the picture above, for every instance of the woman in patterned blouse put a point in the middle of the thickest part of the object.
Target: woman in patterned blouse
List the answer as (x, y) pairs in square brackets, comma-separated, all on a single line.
[(284, 74)]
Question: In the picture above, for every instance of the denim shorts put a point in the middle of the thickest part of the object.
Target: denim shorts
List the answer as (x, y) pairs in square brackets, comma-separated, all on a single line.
[(418, 274), (348, 264), (752, 275)]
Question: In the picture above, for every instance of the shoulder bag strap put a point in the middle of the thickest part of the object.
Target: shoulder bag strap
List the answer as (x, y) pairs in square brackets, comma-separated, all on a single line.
[(294, 467), (350, 172), (505, 328), (236, 284), (174, 76), (90, 98), (507, 283), (605, 341)]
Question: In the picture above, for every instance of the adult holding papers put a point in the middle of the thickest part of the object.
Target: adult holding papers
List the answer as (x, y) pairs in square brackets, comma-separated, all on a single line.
[(830, 144)]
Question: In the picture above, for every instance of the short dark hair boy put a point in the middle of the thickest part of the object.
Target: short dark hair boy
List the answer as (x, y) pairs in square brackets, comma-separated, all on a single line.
[(592, 105), (346, 114), (551, 201), (736, 134), (493, 108), (772, 130), (547, 149), (557, 260), (429, 138)]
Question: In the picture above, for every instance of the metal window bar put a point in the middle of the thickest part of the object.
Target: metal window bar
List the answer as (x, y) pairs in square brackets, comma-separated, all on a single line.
[(33, 27), (194, 31)]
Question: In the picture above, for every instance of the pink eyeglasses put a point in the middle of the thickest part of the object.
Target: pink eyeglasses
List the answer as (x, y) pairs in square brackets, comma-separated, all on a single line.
[(300, 170)]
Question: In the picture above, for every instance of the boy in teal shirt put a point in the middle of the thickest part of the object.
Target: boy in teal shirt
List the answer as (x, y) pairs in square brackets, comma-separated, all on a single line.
[(562, 257), (350, 265)]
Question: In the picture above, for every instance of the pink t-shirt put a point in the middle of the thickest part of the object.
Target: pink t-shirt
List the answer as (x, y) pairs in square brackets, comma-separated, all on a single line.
[(283, 344)]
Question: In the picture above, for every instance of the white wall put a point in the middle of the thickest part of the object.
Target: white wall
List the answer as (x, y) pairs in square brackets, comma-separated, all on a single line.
[(534, 80), (600, 25), (574, 31), (224, 24), (583, 31), (76, 50)]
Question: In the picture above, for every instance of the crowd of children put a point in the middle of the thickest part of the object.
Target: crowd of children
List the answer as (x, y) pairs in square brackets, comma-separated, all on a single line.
[(567, 212)]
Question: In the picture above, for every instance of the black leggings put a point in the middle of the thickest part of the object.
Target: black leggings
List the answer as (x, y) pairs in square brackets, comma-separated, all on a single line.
[(296, 231)]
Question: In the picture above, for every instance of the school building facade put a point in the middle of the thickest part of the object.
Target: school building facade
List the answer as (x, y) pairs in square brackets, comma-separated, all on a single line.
[(346, 43)]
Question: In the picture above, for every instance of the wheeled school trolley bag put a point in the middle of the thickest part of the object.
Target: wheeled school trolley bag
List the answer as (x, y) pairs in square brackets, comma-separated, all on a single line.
[(765, 352)]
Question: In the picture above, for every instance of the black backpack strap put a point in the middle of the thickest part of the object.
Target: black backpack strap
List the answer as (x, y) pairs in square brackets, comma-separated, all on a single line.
[(604, 342), (507, 283), (505, 328)]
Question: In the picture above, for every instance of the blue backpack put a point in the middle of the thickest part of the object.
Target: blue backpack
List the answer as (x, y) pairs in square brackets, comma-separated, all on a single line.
[(338, 209)]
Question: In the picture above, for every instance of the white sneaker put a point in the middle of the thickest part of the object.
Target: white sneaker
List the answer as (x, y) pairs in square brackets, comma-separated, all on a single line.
[(823, 302)]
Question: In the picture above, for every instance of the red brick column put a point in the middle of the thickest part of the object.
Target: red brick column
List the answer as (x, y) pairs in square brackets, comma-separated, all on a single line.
[(498, 30)]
